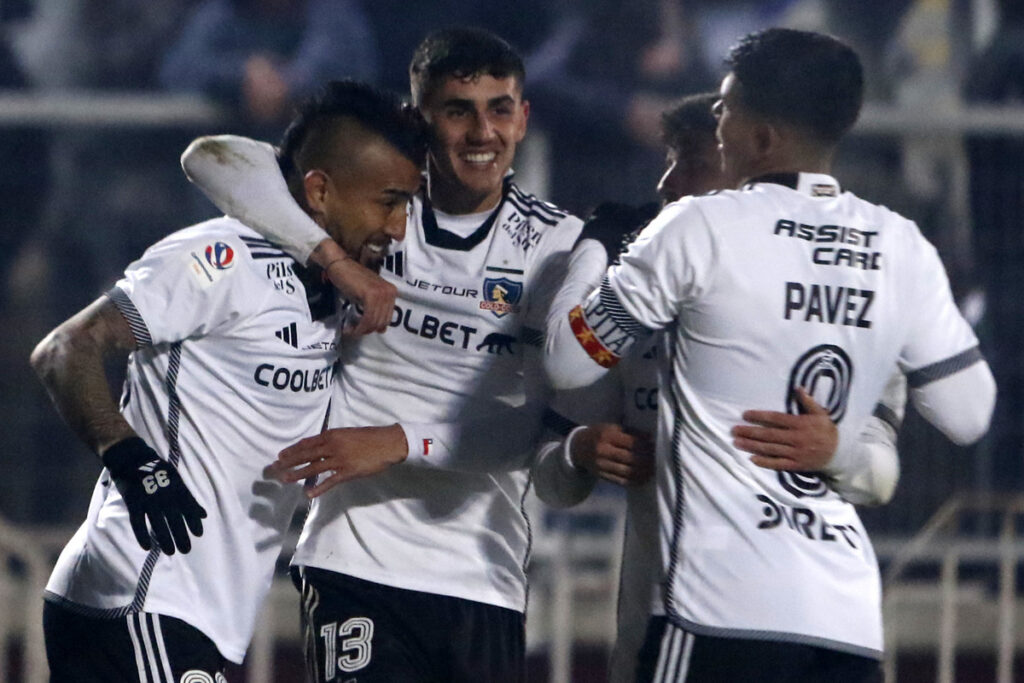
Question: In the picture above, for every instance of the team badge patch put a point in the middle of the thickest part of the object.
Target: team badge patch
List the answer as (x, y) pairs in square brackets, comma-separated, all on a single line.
[(501, 296), (220, 255)]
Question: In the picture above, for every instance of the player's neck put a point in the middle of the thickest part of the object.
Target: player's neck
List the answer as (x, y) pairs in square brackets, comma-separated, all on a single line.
[(804, 163), (457, 200)]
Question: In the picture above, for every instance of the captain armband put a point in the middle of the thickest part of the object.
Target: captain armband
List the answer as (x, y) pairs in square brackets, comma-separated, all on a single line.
[(604, 329)]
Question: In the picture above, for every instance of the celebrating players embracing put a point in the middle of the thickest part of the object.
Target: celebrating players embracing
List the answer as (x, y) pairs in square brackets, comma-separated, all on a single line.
[(757, 563), (233, 353), (428, 555)]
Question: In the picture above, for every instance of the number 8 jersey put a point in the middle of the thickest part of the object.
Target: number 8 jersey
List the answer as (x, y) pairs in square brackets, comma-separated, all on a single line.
[(785, 283)]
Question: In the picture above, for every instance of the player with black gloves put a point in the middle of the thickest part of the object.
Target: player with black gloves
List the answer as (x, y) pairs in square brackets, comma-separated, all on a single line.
[(153, 492), (615, 225), (233, 353)]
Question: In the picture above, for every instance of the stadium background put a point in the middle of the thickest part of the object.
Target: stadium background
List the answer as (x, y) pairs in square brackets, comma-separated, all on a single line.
[(99, 97)]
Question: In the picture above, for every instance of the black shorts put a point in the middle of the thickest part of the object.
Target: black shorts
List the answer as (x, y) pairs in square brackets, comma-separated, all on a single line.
[(143, 647), (671, 654), (365, 631)]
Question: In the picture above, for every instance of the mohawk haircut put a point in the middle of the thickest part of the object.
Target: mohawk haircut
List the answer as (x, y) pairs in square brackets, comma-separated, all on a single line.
[(809, 80), (308, 142), (689, 123), (462, 52)]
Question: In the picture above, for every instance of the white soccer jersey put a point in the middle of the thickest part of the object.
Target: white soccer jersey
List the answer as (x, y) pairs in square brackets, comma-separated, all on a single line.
[(784, 283), (472, 298), (230, 368)]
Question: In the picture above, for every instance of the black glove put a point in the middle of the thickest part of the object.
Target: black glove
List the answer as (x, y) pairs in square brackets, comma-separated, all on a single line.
[(152, 488), (615, 225)]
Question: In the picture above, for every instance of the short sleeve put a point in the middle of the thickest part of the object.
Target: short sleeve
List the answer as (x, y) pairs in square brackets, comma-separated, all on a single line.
[(665, 267), (939, 341), (183, 287)]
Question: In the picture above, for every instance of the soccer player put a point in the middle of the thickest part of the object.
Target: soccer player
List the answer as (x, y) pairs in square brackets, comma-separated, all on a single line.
[(418, 573), (232, 353), (784, 286), (567, 469)]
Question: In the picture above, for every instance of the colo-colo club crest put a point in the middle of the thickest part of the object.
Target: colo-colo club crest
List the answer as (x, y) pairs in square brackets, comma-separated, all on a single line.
[(501, 296)]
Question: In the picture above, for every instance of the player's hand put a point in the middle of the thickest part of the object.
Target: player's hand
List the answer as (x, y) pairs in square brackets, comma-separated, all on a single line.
[(611, 453), (615, 225), (360, 285), (345, 454), (154, 492), (780, 441)]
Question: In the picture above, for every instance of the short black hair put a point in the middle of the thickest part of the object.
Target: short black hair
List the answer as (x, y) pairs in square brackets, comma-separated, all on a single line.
[(809, 80), (689, 124), (307, 142), (462, 52)]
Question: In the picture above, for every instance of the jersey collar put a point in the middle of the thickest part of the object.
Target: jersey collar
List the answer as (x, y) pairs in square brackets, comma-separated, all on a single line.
[(437, 236), (320, 294), (812, 184)]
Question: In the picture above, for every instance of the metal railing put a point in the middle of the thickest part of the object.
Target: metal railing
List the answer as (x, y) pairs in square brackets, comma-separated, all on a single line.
[(971, 612), (573, 579)]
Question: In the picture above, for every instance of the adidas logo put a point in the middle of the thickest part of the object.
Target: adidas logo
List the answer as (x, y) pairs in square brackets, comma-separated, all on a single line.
[(395, 263), (289, 335)]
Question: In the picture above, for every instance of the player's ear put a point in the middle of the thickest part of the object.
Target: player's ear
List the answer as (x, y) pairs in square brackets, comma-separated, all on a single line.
[(767, 138), (521, 133), (315, 187)]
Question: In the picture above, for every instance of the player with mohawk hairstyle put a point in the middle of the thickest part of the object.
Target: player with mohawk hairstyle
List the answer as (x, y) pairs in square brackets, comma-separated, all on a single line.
[(232, 353)]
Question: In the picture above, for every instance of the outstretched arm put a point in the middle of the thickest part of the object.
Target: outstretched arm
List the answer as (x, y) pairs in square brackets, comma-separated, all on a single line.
[(69, 361), (242, 178), (500, 442)]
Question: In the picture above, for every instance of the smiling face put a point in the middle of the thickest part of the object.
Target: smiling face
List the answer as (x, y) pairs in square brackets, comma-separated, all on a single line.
[(362, 201), (476, 124)]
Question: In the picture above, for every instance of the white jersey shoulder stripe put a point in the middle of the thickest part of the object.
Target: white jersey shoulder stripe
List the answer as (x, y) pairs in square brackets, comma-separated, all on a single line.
[(131, 314), (531, 213), (535, 203), (626, 322)]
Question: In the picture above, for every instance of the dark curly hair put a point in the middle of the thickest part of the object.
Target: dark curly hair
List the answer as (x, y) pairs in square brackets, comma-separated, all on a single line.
[(809, 80), (689, 123), (462, 52)]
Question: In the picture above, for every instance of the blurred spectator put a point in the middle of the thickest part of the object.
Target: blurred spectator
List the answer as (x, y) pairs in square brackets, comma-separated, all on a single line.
[(97, 43), (260, 56), (996, 77), (599, 84), (401, 25), (112, 192), (24, 180)]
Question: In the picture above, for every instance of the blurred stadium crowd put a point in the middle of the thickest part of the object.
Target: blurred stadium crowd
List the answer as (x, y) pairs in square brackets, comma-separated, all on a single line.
[(81, 201)]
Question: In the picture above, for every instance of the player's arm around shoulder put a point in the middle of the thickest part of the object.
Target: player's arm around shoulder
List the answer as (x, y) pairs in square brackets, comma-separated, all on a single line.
[(242, 177)]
